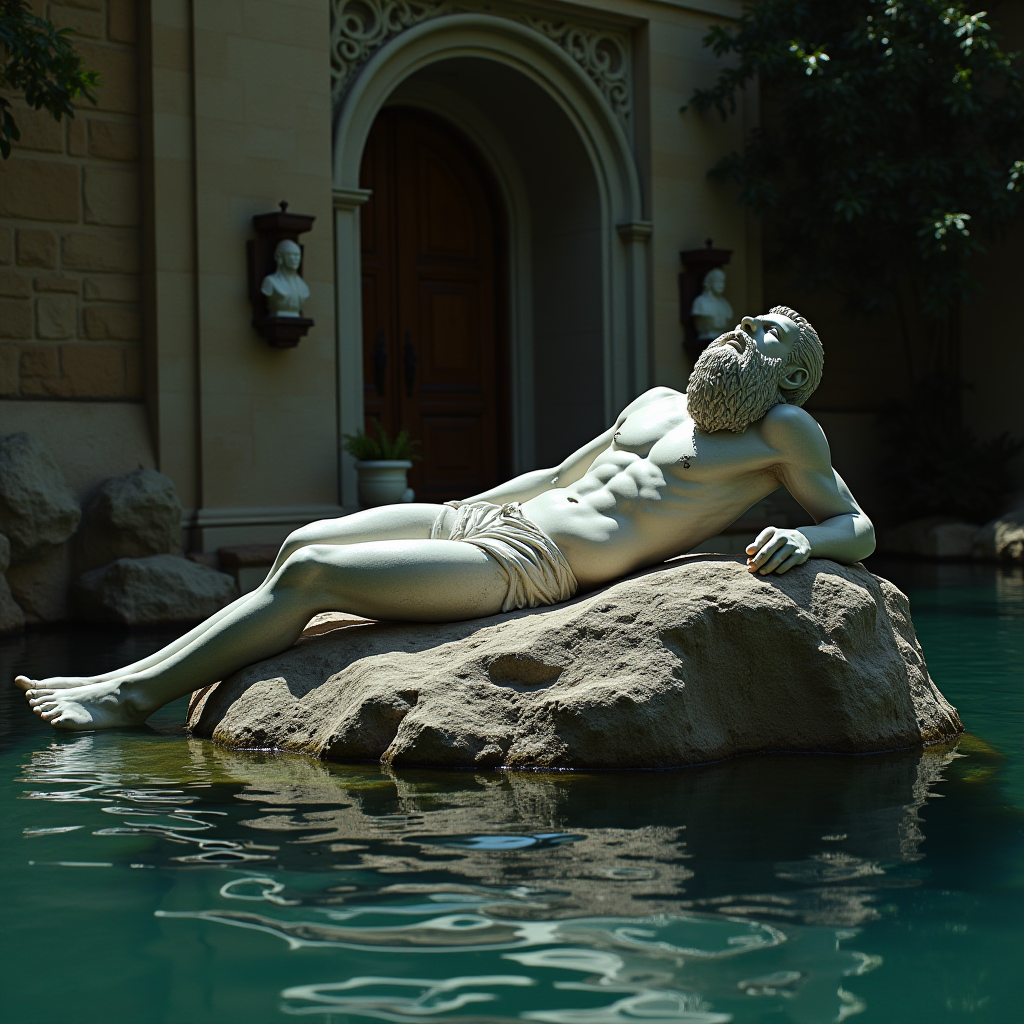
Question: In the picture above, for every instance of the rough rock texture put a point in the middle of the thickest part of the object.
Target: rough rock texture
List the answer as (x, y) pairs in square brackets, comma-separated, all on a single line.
[(12, 618), (42, 587), (129, 516), (1002, 539), (38, 510), (147, 591), (690, 663), (932, 537)]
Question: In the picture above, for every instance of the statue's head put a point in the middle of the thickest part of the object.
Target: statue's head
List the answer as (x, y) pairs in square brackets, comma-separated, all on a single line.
[(714, 281), (763, 361), (288, 255)]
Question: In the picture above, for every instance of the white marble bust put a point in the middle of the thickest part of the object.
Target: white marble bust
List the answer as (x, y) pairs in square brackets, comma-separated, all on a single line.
[(711, 310), (285, 290)]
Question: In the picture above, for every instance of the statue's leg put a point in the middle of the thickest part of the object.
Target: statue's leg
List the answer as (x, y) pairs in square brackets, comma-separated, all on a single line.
[(424, 580), (412, 521)]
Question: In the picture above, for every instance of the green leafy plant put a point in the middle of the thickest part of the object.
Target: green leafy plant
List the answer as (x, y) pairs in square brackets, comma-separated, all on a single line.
[(377, 446), (39, 61), (892, 149)]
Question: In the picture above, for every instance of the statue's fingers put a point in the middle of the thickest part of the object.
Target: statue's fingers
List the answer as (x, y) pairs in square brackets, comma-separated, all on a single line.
[(793, 560), (766, 550), (781, 555), (762, 538)]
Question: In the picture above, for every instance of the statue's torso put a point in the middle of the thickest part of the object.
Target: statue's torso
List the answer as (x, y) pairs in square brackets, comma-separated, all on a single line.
[(658, 490), (286, 293)]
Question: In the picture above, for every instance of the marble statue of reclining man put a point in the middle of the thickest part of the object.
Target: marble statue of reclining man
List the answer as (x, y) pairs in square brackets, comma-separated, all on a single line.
[(673, 470)]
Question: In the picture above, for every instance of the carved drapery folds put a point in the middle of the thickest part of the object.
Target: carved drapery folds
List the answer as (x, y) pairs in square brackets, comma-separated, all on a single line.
[(360, 27)]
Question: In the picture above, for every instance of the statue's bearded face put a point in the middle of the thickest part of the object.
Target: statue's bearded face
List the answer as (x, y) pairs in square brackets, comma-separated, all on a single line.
[(733, 384)]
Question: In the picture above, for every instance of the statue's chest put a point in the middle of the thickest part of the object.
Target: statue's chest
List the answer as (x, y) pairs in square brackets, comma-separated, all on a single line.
[(662, 434), (644, 429), (668, 438)]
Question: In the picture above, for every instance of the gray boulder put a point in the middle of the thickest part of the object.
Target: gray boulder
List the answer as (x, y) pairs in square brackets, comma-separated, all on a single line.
[(12, 618), (694, 662), (38, 511), (43, 586), (149, 591), (129, 516), (1002, 539)]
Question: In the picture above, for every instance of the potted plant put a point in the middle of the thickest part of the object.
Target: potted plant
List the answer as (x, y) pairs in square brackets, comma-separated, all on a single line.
[(382, 464)]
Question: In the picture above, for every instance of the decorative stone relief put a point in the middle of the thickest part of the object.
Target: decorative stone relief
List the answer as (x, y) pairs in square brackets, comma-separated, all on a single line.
[(603, 55), (360, 27)]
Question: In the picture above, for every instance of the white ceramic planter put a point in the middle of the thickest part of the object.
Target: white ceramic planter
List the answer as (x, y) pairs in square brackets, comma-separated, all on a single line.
[(384, 482)]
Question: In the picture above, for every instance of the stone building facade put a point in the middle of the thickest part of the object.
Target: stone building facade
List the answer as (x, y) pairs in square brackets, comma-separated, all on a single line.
[(70, 324), (500, 190)]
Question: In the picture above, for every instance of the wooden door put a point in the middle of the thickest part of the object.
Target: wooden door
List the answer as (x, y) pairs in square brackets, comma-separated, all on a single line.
[(434, 352)]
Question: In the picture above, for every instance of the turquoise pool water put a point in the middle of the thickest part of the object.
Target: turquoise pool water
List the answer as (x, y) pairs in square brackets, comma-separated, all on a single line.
[(152, 878)]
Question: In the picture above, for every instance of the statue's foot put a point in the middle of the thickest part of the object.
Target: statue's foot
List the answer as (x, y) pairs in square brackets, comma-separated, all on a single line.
[(93, 706), (55, 682)]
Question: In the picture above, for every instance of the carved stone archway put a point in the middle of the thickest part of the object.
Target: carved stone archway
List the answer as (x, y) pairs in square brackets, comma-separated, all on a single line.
[(381, 62)]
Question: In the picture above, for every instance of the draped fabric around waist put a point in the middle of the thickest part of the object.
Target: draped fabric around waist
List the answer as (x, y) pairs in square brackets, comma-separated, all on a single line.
[(537, 571)]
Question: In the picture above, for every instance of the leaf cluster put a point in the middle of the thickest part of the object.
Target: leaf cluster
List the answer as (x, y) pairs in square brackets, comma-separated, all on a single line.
[(892, 146), (40, 61), (366, 447)]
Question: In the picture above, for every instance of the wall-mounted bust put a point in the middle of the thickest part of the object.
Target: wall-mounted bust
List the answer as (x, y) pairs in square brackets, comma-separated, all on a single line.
[(712, 314), (285, 290)]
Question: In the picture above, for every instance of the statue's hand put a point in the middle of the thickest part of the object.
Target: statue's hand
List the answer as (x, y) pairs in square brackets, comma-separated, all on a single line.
[(777, 550)]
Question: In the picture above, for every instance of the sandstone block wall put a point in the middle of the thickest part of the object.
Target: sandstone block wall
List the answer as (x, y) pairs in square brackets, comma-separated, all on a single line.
[(70, 227)]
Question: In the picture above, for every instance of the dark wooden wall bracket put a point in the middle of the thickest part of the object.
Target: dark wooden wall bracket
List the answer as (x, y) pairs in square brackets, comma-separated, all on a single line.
[(696, 264), (271, 228)]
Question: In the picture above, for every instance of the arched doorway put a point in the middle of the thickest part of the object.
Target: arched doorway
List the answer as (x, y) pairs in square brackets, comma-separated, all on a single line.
[(577, 313), (433, 250)]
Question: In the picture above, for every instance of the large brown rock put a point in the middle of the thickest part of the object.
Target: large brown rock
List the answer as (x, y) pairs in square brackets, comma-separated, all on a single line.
[(130, 516), (38, 511), (694, 662)]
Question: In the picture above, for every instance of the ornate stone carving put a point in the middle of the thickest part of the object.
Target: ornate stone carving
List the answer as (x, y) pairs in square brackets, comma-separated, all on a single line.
[(603, 55), (360, 27)]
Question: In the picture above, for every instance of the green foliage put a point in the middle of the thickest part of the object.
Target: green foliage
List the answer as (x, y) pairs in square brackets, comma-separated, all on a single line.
[(38, 60), (939, 467), (367, 448), (895, 147)]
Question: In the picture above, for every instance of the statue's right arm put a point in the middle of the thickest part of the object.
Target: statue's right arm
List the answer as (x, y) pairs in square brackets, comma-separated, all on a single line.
[(537, 481)]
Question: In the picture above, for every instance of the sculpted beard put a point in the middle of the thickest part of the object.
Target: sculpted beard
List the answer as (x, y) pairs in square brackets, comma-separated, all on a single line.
[(729, 390)]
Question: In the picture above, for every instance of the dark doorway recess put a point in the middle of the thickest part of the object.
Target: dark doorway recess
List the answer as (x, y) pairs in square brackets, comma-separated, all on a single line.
[(435, 351)]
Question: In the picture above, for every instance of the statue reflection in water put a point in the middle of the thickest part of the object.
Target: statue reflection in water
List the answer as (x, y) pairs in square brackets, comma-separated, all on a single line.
[(751, 879)]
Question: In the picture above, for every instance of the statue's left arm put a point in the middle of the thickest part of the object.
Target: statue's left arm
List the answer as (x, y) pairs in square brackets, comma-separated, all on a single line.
[(842, 531)]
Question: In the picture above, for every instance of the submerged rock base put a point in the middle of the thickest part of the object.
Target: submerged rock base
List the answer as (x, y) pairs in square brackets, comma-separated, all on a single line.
[(693, 662)]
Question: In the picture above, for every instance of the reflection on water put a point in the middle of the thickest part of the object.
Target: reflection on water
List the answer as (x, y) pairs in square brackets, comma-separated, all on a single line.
[(705, 895), (174, 881)]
